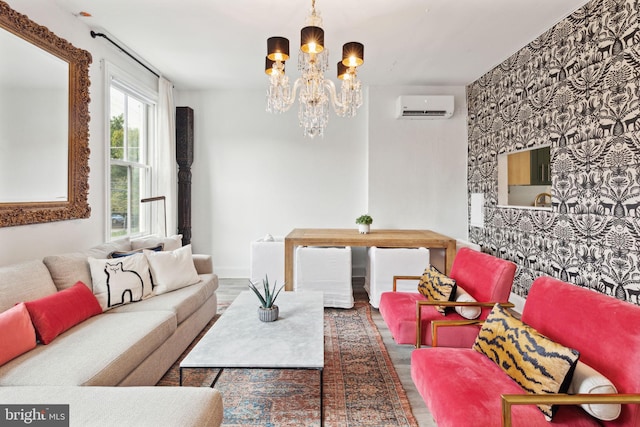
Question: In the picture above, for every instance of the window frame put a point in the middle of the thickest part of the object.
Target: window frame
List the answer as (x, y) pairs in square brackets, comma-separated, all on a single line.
[(132, 87), (504, 188)]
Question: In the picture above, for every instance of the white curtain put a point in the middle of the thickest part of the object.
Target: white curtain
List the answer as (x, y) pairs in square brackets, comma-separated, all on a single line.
[(166, 170)]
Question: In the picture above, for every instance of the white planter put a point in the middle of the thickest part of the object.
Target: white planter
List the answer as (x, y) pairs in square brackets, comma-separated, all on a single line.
[(363, 228), (268, 314)]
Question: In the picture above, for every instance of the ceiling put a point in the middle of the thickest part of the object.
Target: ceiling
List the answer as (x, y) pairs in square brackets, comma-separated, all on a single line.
[(206, 44)]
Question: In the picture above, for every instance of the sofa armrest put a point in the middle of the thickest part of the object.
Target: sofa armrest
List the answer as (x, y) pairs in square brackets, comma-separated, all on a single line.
[(435, 324), (396, 278), (508, 400), (423, 303), (203, 263)]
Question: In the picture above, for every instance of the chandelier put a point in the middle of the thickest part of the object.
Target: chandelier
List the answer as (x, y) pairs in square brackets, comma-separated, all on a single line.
[(315, 91)]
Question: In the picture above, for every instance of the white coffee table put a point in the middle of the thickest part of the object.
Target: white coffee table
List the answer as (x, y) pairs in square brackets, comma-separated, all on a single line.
[(240, 340)]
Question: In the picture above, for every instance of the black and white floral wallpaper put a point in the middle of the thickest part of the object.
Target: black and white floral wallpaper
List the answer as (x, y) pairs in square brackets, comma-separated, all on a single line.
[(577, 88)]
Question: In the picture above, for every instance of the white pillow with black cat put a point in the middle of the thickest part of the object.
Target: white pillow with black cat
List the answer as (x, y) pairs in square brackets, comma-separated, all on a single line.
[(120, 281)]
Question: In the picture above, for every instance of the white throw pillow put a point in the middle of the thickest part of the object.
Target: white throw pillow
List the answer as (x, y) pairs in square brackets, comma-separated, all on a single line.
[(170, 243), (468, 312), (587, 380), (103, 250), (172, 270), (120, 281)]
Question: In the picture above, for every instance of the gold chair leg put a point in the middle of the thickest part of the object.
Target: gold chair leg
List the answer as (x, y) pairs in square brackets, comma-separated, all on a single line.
[(418, 326)]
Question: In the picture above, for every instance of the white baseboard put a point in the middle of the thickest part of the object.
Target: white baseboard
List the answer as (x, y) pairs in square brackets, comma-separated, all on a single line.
[(231, 273)]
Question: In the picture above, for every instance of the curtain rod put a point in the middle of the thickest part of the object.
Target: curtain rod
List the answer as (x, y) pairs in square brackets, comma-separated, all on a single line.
[(94, 35)]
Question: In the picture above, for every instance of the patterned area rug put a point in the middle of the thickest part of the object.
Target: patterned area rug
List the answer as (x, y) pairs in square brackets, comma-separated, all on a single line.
[(361, 387)]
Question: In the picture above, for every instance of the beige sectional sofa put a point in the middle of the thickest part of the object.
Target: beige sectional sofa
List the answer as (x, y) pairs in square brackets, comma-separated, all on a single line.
[(130, 345)]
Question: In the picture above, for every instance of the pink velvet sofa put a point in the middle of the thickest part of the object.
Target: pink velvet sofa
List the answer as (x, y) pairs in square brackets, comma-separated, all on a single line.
[(464, 387), (487, 278)]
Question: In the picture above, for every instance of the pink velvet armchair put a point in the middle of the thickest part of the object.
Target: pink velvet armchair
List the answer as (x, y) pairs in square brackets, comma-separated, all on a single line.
[(461, 384), (486, 278)]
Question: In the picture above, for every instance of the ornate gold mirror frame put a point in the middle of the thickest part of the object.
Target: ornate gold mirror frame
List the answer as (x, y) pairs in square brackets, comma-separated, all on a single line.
[(76, 206)]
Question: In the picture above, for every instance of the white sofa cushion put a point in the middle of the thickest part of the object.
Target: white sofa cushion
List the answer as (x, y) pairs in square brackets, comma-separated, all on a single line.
[(103, 250), (127, 406), (68, 269), (24, 282), (101, 351), (170, 243), (183, 302)]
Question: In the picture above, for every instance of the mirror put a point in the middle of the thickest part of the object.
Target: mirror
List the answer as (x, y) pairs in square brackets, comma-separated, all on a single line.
[(524, 178), (34, 83), (44, 124)]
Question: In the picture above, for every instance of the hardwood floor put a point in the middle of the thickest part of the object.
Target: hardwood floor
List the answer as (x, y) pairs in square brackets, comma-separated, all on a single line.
[(400, 354)]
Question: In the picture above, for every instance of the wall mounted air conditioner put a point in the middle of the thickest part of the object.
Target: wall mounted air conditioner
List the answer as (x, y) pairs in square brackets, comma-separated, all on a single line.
[(424, 107)]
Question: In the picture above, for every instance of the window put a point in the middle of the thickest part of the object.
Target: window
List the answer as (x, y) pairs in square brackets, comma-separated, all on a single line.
[(130, 136)]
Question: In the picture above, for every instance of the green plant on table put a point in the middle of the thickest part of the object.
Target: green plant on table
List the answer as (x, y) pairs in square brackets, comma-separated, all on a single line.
[(268, 296), (364, 219)]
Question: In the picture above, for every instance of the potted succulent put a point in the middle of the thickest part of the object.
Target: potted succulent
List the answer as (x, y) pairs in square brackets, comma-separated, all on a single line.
[(268, 311), (364, 222)]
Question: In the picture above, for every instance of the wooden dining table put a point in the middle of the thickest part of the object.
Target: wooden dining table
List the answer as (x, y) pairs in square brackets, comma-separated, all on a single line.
[(341, 237)]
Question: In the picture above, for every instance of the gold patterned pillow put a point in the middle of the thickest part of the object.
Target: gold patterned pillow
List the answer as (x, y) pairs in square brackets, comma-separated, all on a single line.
[(437, 287), (539, 365)]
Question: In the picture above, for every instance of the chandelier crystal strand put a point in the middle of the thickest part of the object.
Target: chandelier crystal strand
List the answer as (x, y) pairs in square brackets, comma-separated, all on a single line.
[(279, 90), (314, 102), (350, 96), (315, 90)]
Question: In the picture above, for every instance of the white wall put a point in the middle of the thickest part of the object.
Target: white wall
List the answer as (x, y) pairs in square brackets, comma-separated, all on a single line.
[(254, 173), (27, 242), (418, 168)]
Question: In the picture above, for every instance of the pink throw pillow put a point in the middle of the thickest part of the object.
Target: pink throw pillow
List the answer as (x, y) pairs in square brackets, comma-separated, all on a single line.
[(54, 314), (17, 335)]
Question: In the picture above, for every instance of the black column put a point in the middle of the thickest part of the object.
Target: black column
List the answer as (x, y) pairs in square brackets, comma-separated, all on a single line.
[(184, 157)]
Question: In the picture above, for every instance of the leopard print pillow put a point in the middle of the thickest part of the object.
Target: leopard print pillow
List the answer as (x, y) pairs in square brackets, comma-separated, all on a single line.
[(437, 287), (539, 365)]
